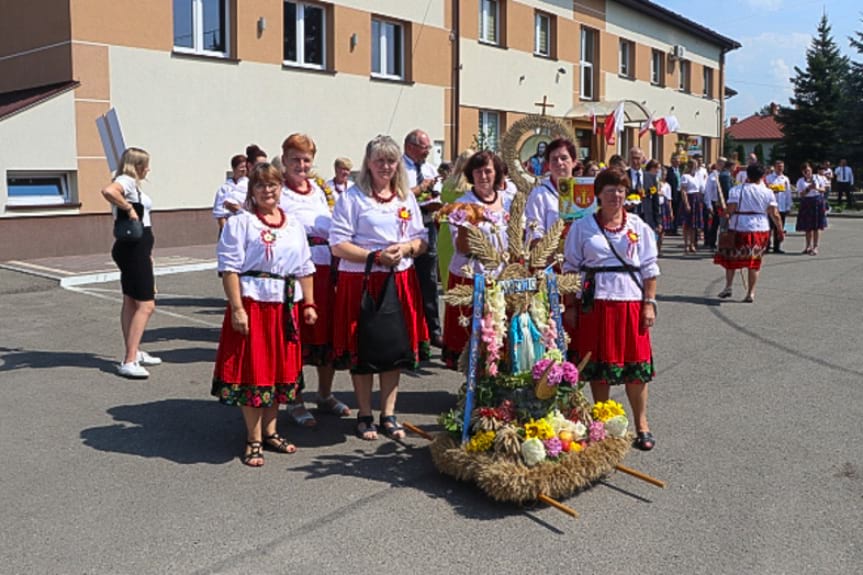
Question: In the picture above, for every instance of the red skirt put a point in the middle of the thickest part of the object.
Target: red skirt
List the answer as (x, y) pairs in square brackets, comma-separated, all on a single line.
[(346, 313), (620, 350), (318, 338), (455, 336), (749, 248), (262, 369)]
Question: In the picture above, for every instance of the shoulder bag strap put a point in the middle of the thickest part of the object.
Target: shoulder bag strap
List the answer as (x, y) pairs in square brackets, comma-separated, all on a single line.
[(621, 260)]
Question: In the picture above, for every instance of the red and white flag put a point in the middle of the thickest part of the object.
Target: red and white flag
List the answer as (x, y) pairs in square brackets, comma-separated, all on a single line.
[(646, 126), (593, 119), (613, 124), (666, 125)]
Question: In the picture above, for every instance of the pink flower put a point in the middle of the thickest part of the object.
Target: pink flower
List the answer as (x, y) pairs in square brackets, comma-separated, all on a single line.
[(597, 431), (492, 368), (570, 373), (540, 367), (458, 217), (549, 335), (256, 401), (555, 375), (553, 447)]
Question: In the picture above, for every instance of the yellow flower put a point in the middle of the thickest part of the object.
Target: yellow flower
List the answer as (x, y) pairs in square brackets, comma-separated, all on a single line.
[(482, 441), (539, 429), (605, 410)]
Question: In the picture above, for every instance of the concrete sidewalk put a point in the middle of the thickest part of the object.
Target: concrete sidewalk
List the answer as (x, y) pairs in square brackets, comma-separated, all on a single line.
[(100, 268)]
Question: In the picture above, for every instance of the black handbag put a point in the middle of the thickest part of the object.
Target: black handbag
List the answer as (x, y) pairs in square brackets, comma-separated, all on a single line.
[(127, 229), (382, 338)]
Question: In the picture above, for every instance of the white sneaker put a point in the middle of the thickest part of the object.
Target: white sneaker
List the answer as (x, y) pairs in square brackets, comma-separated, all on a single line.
[(145, 358), (133, 370)]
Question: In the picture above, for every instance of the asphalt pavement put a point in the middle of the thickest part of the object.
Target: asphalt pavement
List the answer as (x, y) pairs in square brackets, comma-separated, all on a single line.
[(756, 409)]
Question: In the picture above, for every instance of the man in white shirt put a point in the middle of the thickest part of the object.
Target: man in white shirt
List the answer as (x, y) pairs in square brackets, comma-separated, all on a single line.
[(422, 178), (845, 183), (775, 181)]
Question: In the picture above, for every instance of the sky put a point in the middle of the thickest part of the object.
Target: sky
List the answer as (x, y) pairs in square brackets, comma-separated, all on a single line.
[(775, 35)]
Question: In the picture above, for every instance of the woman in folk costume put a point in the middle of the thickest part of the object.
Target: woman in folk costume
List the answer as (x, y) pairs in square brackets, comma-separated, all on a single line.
[(615, 253), (267, 270), (377, 218), (691, 206), (483, 207), (310, 201), (542, 209), (812, 217)]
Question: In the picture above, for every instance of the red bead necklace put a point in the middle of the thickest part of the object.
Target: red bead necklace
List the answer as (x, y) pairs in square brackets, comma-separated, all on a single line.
[(296, 191), (616, 230), (384, 200), (263, 220)]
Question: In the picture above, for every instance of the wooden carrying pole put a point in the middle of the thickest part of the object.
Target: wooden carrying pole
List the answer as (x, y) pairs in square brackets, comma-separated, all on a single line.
[(640, 475), (557, 505), (417, 430)]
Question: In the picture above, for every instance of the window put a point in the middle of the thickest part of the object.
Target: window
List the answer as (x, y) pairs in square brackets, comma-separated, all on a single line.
[(588, 59), (201, 26), (542, 35), (489, 21), (708, 82), (657, 68), (305, 35), (489, 130), (655, 151), (683, 77), (387, 50), (626, 51), (625, 142), (37, 189)]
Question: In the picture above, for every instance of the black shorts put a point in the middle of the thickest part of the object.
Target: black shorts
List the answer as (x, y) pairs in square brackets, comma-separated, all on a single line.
[(136, 267)]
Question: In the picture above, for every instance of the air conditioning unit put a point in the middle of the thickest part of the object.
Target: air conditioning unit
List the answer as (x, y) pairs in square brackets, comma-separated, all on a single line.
[(678, 52)]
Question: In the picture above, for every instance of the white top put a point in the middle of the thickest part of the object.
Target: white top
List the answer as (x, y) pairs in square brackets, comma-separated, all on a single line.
[(242, 248), (820, 184), (509, 193), (130, 193), (741, 177), (689, 184), (337, 188), (665, 193), (495, 232), (755, 198), (711, 188), (229, 192), (542, 208), (313, 212), (845, 174), (701, 177), (586, 246), (369, 224), (828, 176), (783, 198), (429, 173)]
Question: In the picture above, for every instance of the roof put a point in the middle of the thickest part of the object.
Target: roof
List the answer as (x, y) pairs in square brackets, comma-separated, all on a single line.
[(662, 13), (756, 128), (19, 100)]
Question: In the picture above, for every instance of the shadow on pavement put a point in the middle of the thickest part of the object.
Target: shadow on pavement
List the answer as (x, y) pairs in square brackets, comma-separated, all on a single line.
[(185, 333), (709, 301), (218, 302), (17, 358)]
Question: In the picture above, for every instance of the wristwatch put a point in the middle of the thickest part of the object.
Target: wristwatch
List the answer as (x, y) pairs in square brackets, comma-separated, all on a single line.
[(652, 302)]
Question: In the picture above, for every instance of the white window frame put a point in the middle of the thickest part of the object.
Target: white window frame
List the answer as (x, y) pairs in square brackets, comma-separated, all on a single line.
[(586, 67), (656, 68), (198, 31), (683, 78), (383, 50), (625, 50), (485, 8), (707, 80), (537, 48), (485, 122), (625, 141), (37, 201), (655, 151), (300, 31)]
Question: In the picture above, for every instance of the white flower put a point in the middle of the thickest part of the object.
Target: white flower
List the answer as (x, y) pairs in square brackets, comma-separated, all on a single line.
[(533, 451), (463, 321), (580, 431), (616, 426)]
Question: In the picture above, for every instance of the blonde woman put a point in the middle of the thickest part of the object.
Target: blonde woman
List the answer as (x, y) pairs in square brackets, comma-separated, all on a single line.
[(377, 219), (134, 260)]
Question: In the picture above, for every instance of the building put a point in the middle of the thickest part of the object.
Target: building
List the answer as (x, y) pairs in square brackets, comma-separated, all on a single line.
[(195, 81), (759, 133)]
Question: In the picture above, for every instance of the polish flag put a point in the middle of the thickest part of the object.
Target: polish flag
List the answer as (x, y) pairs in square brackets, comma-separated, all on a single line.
[(613, 124), (645, 127), (666, 125)]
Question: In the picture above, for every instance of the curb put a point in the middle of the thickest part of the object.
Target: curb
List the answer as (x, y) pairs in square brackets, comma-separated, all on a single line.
[(99, 277)]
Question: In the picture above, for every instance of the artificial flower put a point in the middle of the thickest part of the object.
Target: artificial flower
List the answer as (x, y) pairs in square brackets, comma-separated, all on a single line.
[(616, 426), (597, 431), (463, 321), (579, 430), (328, 192), (553, 447), (482, 441), (540, 367), (570, 373), (632, 236), (538, 428), (507, 410), (652, 190), (605, 410), (533, 452)]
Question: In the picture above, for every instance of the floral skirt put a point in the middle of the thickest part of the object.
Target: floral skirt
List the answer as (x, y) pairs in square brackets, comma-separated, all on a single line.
[(318, 338), (261, 369), (749, 248), (694, 218), (620, 350), (346, 314), (455, 335), (812, 214)]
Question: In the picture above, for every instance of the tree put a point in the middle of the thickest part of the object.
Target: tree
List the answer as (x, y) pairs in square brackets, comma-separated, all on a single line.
[(813, 126), (727, 144), (854, 107), (758, 150)]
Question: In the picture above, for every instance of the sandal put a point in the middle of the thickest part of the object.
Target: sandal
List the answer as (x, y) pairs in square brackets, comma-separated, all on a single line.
[(276, 442), (749, 299), (645, 441), (390, 427), (254, 454), (813, 252), (724, 294), (333, 406), (301, 416), (365, 427)]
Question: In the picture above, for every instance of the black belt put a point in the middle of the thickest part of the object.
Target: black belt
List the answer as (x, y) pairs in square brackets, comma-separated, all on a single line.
[(588, 287), (288, 324)]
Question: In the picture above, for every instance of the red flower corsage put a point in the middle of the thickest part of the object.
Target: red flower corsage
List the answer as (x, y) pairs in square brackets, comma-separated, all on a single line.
[(404, 216), (268, 237)]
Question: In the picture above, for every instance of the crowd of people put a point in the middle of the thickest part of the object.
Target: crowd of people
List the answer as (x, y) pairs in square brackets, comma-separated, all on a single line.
[(303, 262)]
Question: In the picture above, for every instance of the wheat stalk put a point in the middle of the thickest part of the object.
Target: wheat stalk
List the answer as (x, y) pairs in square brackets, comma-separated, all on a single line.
[(515, 229), (482, 249), (459, 295), (546, 247), (568, 283)]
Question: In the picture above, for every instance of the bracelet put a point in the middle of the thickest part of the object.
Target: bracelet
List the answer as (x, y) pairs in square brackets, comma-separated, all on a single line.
[(652, 302), (377, 257), (306, 306)]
